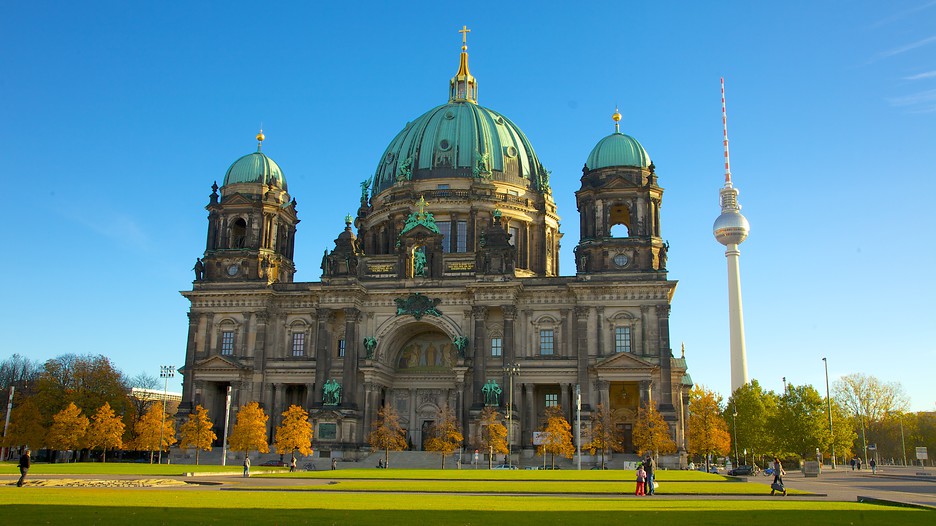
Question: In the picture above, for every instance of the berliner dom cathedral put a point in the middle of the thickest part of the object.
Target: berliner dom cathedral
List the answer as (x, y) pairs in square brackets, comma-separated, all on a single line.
[(443, 290)]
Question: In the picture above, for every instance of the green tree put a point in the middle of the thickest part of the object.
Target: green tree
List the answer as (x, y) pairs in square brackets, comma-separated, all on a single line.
[(556, 436), (605, 435), (196, 433), (652, 433), (754, 407), (492, 434), (387, 433), (68, 429), (249, 431), (294, 433), (444, 435), (708, 431), (106, 431), (869, 401), (26, 427), (801, 423), (154, 431)]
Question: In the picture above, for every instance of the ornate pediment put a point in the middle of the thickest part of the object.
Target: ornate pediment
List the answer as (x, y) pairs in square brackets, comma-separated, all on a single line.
[(218, 363), (237, 199), (417, 305), (623, 360)]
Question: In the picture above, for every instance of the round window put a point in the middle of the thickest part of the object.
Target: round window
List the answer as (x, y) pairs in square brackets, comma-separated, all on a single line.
[(444, 145), (390, 157), (449, 114), (510, 151), (621, 260)]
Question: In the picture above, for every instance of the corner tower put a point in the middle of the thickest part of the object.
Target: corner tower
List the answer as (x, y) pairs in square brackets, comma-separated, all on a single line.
[(619, 209), (251, 224)]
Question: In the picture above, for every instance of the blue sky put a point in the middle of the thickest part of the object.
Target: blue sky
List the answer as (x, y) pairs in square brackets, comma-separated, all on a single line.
[(118, 116)]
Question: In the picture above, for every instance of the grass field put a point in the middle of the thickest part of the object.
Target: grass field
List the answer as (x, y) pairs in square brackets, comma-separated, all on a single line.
[(426, 497)]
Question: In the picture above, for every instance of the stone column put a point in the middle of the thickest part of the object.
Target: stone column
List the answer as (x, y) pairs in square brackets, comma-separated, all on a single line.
[(666, 382), (644, 330), (188, 391), (261, 320), (321, 353), (581, 349), (646, 397), (528, 417), (478, 362), (352, 343), (600, 332), (413, 424), (370, 411), (209, 332), (566, 401), (604, 394), (310, 396)]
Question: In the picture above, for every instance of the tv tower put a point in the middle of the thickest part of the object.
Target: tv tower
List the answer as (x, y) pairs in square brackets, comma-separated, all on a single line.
[(731, 229)]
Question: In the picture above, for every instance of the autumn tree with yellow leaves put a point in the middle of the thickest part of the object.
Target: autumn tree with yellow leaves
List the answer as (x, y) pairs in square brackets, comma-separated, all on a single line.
[(249, 431), (26, 427), (492, 435), (154, 432), (387, 433), (294, 433), (652, 433), (68, 429), (556, 435), (444, 435), (106, 431), (606, 435), (708, 431), (196, 433)]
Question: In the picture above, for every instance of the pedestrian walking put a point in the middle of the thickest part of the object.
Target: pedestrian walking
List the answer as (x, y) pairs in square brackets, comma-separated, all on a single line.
[(292, 465), (641, 479), (853, 464), (649, 467), (859, 463), (778, 474), (873, 465), (334, 464), (247, 465), (23, 467)]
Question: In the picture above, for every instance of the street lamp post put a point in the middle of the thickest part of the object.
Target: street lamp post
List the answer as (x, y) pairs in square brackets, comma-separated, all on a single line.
[(829, 402), (6, 424), (734, 422), (512, 369), (166, 372)]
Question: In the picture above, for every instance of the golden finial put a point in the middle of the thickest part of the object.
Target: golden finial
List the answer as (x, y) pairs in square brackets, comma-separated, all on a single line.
[(683, 349), (617, 120), (464, 31), (260, 138), (421, 205)]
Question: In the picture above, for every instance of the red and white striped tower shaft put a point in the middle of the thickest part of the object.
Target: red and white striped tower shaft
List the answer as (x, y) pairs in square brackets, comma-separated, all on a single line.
[(731, 229)]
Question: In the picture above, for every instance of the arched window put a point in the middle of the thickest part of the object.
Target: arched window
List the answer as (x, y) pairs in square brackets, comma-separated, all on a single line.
[(239, 233), (619, 221)]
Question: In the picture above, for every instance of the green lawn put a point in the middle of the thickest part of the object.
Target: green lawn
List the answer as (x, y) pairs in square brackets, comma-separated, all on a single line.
[(520, 474), (116, 468), (145, 507)]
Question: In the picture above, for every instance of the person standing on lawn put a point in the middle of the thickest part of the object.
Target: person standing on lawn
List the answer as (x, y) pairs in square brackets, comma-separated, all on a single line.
[(247, 465), (649, 468), (641, 479)]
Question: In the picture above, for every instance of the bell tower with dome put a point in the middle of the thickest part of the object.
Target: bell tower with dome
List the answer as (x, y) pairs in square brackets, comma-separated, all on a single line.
[(442, 292), (619, 210), (251, 224)]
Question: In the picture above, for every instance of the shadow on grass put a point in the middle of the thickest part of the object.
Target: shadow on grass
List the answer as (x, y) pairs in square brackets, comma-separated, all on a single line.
[(141, 516)]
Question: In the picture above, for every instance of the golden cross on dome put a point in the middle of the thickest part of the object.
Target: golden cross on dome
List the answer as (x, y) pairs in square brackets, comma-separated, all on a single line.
[(464, 31), (421, 205)]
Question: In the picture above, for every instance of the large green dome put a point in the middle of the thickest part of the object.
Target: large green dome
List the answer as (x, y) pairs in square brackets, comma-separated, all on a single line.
[(460, 139), (618, 149), (255, 168)]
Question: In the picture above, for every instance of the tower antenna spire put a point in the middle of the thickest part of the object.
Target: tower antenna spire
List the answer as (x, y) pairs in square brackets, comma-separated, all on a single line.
[(724, 119)]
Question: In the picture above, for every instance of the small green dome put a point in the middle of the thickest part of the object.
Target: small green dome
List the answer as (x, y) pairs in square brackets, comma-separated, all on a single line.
[(459, 139), (618, 149), (255, 168)]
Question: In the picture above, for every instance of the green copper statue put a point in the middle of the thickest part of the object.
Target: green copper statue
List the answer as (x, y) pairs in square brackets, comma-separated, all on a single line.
[(331, 392)]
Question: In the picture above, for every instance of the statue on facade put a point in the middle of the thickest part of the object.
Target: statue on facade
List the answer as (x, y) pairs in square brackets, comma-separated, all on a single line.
[(662, 255), (199, 269), (492, 393), (419, 263), (370, 344), (331, 392), (461, 343)]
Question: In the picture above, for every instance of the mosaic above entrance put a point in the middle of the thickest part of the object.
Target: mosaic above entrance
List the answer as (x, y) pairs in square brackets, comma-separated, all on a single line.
[(427, 352)]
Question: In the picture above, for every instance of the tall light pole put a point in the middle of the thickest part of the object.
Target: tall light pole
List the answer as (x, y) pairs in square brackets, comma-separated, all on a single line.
[(578, 426), (734, 422), (829, 401), (227, 419), (512, 369), (6, 424), (166, 372)]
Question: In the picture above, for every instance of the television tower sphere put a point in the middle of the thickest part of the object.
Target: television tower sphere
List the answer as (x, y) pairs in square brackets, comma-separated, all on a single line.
[(731, 228)]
